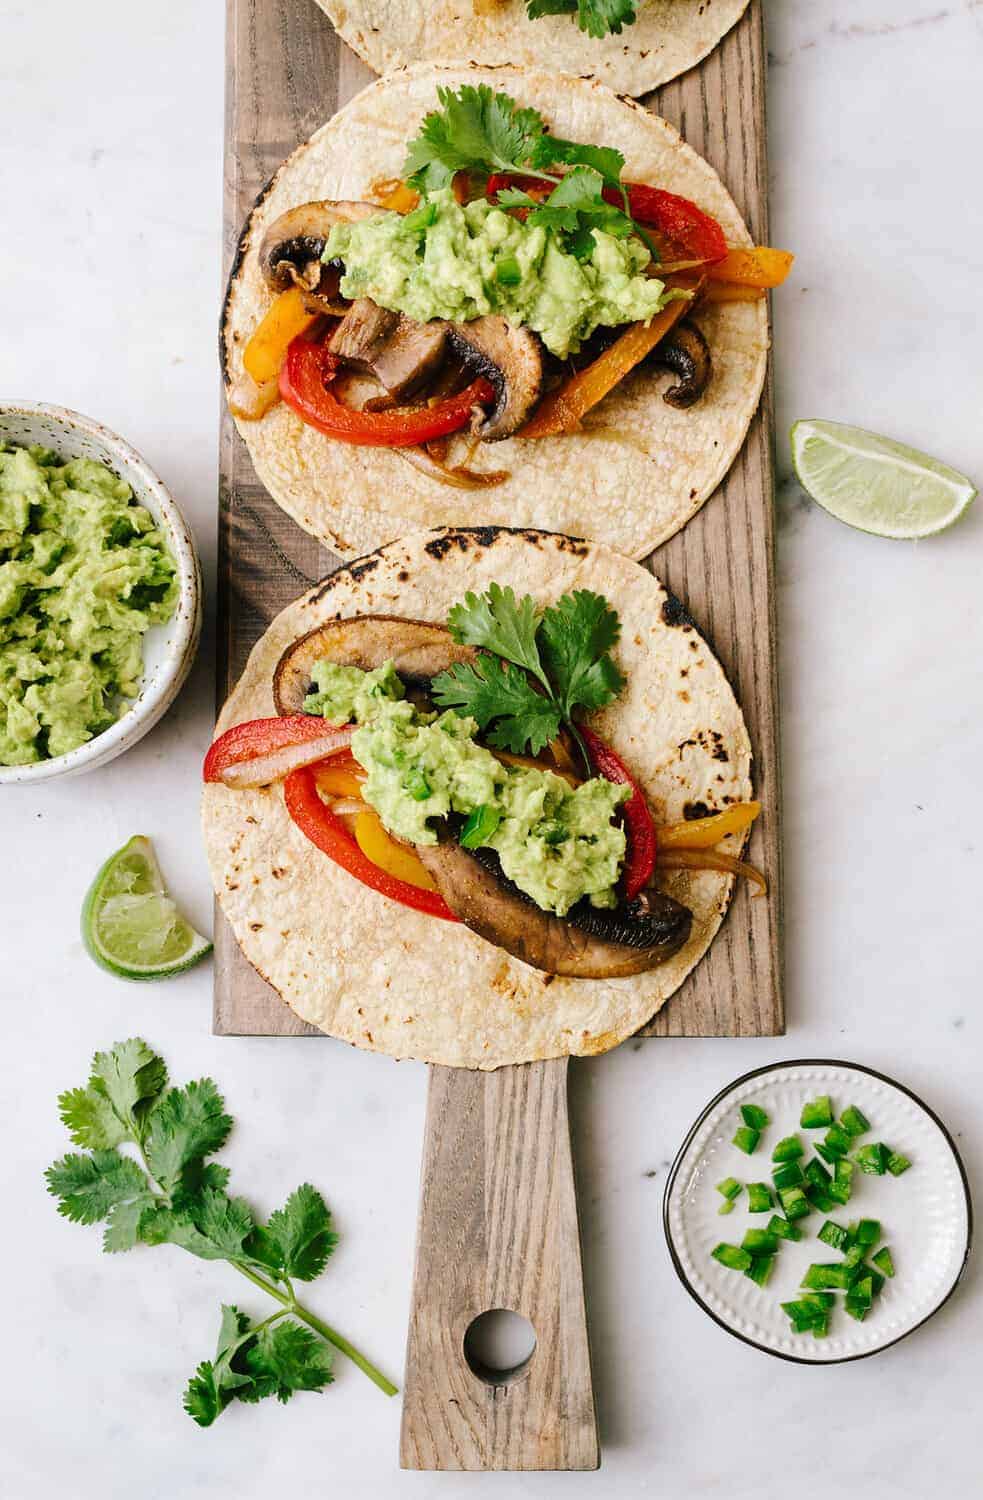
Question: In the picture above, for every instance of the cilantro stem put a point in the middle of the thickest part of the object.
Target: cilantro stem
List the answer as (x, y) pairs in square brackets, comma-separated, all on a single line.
[(290, 1304)]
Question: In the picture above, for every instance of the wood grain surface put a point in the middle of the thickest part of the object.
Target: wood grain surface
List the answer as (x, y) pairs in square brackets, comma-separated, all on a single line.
[(286, 73), (498, 1229)]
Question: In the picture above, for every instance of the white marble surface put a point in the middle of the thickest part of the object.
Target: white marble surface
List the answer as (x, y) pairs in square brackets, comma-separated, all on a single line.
[(110, 159)]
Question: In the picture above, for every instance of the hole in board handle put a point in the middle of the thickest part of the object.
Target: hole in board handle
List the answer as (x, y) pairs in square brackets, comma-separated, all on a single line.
[(498, 1346)]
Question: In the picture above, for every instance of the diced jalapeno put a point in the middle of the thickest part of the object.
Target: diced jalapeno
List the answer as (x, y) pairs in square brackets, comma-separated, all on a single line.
[(873, 1159), (854, 1121), (783, 1229), (789, 1149), (746, 1139), (732, 1256), (896, 1163), (835, 1235), (759, 1198), (884, 1261), (755, 1116), (817, 1113), (788, 1174)]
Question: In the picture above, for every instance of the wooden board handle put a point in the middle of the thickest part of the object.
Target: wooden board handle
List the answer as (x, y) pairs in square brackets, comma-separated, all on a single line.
[(498, 1229)]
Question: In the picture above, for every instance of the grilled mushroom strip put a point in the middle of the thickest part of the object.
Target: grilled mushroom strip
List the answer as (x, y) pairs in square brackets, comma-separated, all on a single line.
[(291, 249), (589, 942), (398, 351), (686, 353), (417, 650), (512, 359)]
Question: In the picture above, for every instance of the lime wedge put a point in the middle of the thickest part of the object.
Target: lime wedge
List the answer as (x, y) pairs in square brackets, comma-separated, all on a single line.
[(875, 484), (130, 925)]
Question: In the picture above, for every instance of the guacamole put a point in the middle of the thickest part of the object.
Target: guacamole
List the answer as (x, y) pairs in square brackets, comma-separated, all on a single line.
[(558, 844), (83, 574), (445, 260)]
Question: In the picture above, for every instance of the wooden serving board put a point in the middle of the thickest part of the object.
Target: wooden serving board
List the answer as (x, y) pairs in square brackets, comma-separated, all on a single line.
[(498, 1224)]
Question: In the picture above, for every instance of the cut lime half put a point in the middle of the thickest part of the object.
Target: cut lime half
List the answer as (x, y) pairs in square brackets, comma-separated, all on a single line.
[(876, 484), (130, 925)]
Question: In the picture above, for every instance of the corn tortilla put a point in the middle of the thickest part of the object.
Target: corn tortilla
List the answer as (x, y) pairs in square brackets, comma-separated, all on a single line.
[(637, 471), (379, 975)]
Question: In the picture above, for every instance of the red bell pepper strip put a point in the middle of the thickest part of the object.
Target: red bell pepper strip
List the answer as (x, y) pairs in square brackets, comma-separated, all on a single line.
[(678, 219), (268, 740), (330, 835), (304, 379), (641, 852)]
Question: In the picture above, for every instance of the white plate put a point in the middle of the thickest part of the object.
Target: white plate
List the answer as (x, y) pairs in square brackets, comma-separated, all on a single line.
[(926, 1215)]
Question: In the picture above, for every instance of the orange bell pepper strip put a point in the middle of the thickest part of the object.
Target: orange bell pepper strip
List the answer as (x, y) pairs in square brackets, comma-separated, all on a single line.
[(285, 318), (704, 833), (562, 409), (731, 291), (340, 778), (759, 266)]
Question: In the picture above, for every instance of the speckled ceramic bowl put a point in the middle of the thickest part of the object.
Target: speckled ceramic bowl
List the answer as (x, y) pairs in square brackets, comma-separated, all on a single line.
[(168, 650), (926, 1214)]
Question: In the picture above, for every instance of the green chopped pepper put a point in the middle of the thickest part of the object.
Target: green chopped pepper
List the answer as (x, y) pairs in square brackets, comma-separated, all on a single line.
[(896, 1163), (835, 1235), (854, 1121), (883, 1260), (746, 1139), (789, 1149), (761, 1268), (794, 1202), (788, 1174), (827, 1276), (759, 1198), (732, 1256), (783, 1229), (817, 1113), (759, 1242), (754, 1116), (873, 1159)]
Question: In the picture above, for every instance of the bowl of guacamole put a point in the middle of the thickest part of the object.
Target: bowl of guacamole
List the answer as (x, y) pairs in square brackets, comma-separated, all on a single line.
[(100, 594)]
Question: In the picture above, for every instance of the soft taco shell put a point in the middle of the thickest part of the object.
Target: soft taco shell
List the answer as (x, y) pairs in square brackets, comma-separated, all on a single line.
[(668, 37), (638, 471), (373, 972)]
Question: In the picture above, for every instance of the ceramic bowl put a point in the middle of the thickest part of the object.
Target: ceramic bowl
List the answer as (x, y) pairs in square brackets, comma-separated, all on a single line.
[(925, 1213), (168, 650)]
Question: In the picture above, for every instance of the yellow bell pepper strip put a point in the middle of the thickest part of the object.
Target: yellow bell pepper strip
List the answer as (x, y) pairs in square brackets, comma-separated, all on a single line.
[(562, 409), (759, 266), (397, 196), (709, 859), (285, 318), (387, 855), (704, 833)]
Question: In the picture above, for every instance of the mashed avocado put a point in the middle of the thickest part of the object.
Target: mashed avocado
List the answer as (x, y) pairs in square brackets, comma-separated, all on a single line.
[(83, 574), (557, 844), (445, 260)]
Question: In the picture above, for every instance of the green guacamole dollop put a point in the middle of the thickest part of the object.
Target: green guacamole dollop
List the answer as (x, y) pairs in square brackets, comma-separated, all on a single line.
[(445, 260), (558, 844), (84, 573)]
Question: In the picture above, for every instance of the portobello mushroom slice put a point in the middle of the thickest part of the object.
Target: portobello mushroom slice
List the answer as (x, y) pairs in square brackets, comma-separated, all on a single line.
[(417, 649), (512, 359), (588, 943), (291, 249), (686, 353), (398, 351)]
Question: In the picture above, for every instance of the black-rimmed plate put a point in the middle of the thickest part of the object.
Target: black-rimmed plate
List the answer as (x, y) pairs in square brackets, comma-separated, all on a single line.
[(925, 1213)]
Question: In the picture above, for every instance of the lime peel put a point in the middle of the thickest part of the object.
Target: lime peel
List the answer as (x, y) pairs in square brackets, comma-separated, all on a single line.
[(130, 925), (876, 484)]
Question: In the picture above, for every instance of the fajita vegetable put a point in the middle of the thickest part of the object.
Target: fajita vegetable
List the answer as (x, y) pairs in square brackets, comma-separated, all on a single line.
[(630, 45), (484, 791), (495, 298)]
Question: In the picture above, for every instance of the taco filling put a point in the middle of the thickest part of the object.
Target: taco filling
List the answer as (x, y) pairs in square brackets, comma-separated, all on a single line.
[(503, 287), (451, 769)]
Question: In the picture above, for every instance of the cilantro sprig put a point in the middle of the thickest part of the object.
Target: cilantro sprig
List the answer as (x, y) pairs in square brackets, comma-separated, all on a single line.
[(481, 131), (597, 18), (536, 667), (165, 1191)]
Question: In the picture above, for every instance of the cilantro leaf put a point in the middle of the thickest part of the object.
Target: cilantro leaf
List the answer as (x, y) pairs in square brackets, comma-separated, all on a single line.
[(577, 634), (214, 1385), (298, 1238), (122, 1230), (284, 1359), (598, 18), (551, 151), (213, 1228), (88, 1186), (187, 1124), (91, 1119), (475, 129), (497, 622), (496, 694), (128, 1078), (577, 205)]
